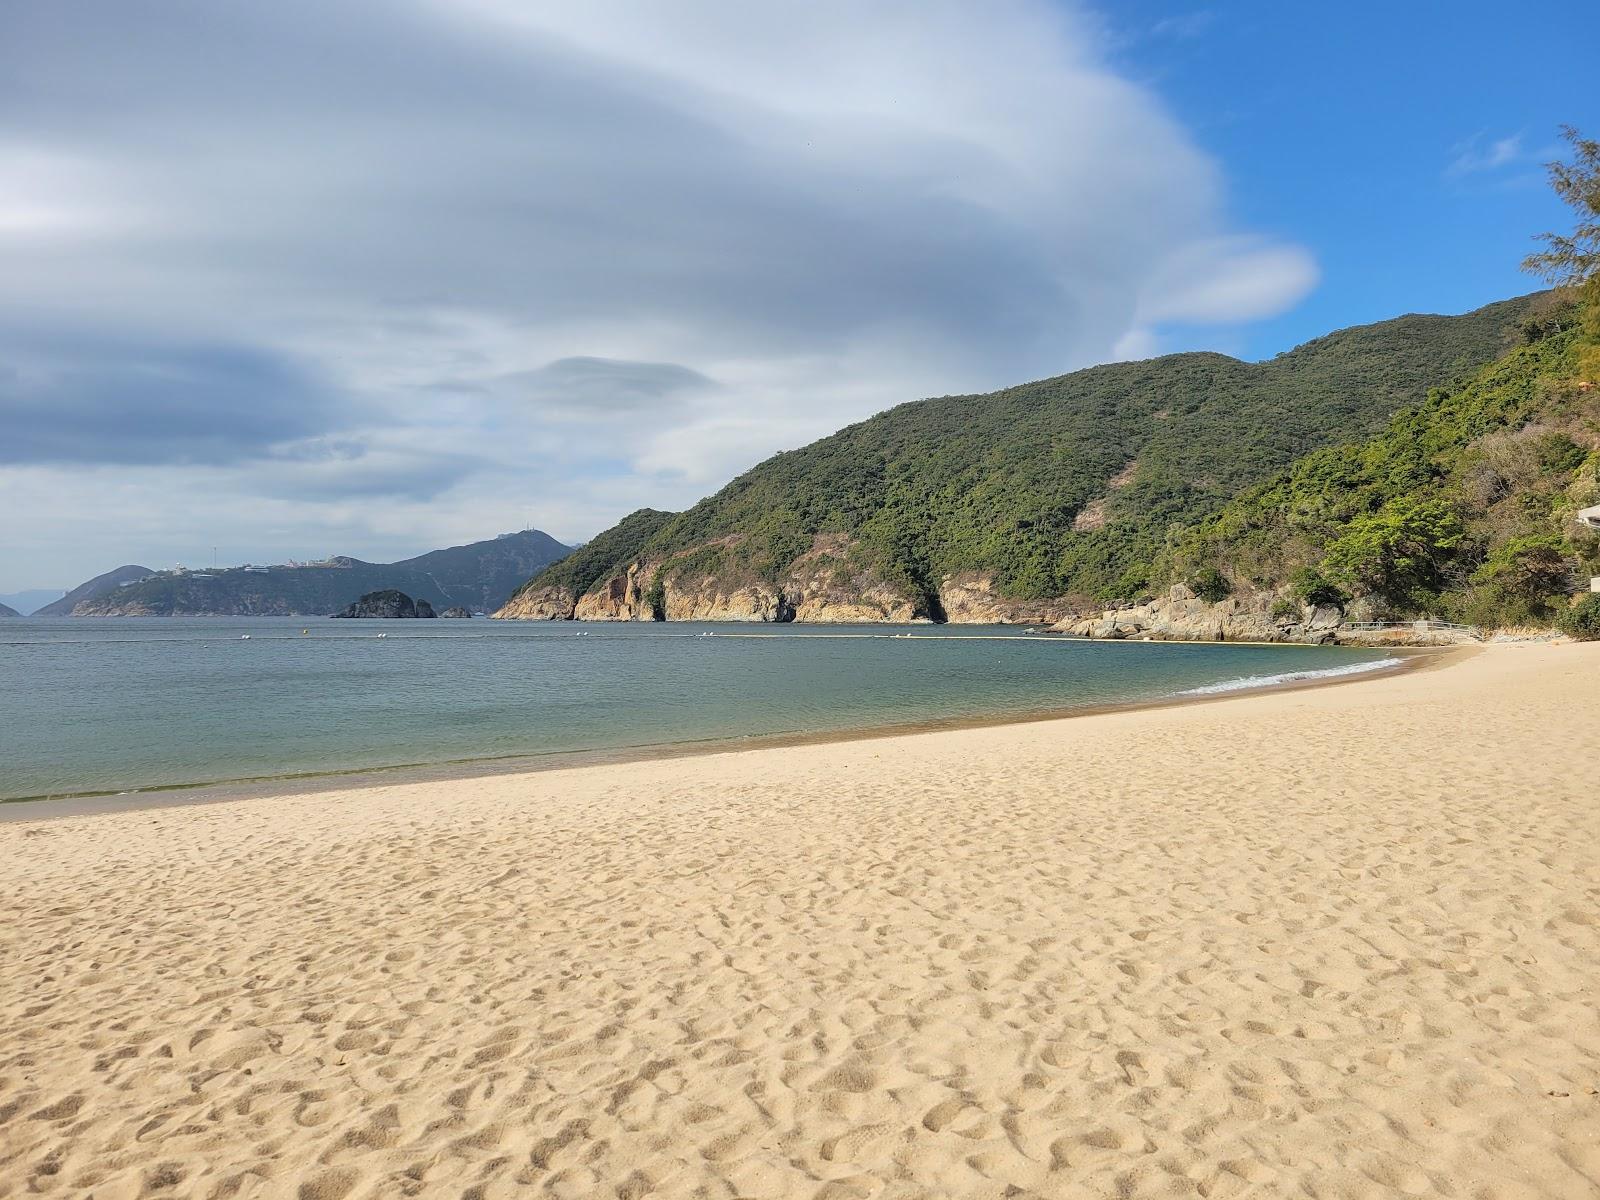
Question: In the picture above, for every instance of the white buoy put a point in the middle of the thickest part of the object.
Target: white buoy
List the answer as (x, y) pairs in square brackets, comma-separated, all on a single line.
[(244, 637)]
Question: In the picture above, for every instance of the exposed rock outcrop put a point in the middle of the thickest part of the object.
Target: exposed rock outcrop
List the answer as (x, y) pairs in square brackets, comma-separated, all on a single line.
[(387, 604), (971, 599), (824, 585), (828, 584), (540, 604), (1262, 617), (455, 610)]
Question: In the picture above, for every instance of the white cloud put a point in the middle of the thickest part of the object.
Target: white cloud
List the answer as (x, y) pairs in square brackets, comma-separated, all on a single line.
[(1224, 280), (1484, 154), (761, 221)]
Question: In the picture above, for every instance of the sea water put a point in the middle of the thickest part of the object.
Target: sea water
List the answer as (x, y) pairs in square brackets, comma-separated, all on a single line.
[(98, 705)]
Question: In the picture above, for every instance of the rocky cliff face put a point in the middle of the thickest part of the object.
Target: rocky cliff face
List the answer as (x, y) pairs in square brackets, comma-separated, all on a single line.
[(825, 585), (540, 604), (822, 585), (971, 599)]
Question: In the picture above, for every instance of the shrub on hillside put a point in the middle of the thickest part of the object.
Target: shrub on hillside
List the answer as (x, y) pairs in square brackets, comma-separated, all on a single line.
[(1582, 620), (1529, 570), (1313, 588), (1211, 585)]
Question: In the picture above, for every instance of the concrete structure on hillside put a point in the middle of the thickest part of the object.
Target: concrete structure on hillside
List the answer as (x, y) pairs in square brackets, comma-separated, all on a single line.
[(1589, 518)]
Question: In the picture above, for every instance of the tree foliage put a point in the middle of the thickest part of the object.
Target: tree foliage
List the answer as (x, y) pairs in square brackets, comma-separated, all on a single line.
[(1573, 259), (1396, 553), (1463, 506)]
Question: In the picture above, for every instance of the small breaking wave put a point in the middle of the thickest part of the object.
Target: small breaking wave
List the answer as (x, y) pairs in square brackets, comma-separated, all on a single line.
[(1256, 681)]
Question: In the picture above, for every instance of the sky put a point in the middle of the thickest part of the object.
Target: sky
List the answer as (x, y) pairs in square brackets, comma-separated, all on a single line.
[(374, 278)]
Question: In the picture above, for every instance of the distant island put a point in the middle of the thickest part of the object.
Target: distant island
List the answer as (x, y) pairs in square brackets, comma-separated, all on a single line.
[(388, 604), (479, 576), (6, 611)]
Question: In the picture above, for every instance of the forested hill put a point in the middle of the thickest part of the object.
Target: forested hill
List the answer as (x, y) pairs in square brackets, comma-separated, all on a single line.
[(479, 576), (1068, 487), (1464, 506)]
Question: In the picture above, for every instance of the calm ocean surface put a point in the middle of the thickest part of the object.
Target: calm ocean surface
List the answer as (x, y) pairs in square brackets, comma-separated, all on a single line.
[(112, 705)]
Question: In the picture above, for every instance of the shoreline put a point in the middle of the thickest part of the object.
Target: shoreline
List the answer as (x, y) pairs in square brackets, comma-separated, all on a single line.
[(79, 804)]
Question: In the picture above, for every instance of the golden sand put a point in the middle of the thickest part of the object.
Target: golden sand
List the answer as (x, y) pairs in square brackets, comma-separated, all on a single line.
[(1331, 943)]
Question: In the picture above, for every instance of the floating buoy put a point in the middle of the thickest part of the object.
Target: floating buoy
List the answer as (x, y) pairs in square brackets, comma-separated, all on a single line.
[(303, 632), (244, 637)]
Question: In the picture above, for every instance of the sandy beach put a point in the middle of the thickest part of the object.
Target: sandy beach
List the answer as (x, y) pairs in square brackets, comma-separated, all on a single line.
[(1340, 942)]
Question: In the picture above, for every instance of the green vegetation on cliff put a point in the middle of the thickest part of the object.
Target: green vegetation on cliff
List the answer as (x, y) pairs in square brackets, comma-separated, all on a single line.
[(1066, 487), (590, 563), (1465, 505)]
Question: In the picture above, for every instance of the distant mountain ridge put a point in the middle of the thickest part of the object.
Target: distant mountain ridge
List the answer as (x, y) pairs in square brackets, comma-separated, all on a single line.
[(1020, 505), (478, 576), (6, 611), (93, 588)]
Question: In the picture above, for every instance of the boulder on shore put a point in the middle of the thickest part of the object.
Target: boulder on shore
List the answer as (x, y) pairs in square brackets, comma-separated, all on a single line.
[(456, 610), (387, 603)]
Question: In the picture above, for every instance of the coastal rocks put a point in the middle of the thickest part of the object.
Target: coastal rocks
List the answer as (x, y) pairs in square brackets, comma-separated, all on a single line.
[(830, 585), (619, 598), (825, 585), (388, 604), (541, 604), (709, 601), (1182, 616), (456, 611), (1257, 617), (971, 599)]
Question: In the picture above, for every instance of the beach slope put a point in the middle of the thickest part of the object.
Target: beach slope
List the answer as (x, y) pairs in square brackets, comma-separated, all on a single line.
[(1340, 942)]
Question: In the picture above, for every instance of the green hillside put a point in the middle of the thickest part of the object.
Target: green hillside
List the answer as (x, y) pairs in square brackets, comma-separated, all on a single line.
[(481, 575), (1070, 486), (587, 565), (1465, 505)]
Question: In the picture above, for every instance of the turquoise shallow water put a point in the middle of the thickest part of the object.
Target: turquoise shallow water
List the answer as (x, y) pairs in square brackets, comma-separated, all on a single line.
[(116, 705)]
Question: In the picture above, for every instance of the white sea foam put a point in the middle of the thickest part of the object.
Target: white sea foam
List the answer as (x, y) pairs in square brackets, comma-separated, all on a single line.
[(1255, 681)]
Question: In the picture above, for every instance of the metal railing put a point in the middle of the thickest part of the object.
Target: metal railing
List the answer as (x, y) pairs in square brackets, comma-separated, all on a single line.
[(1425, 626)]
